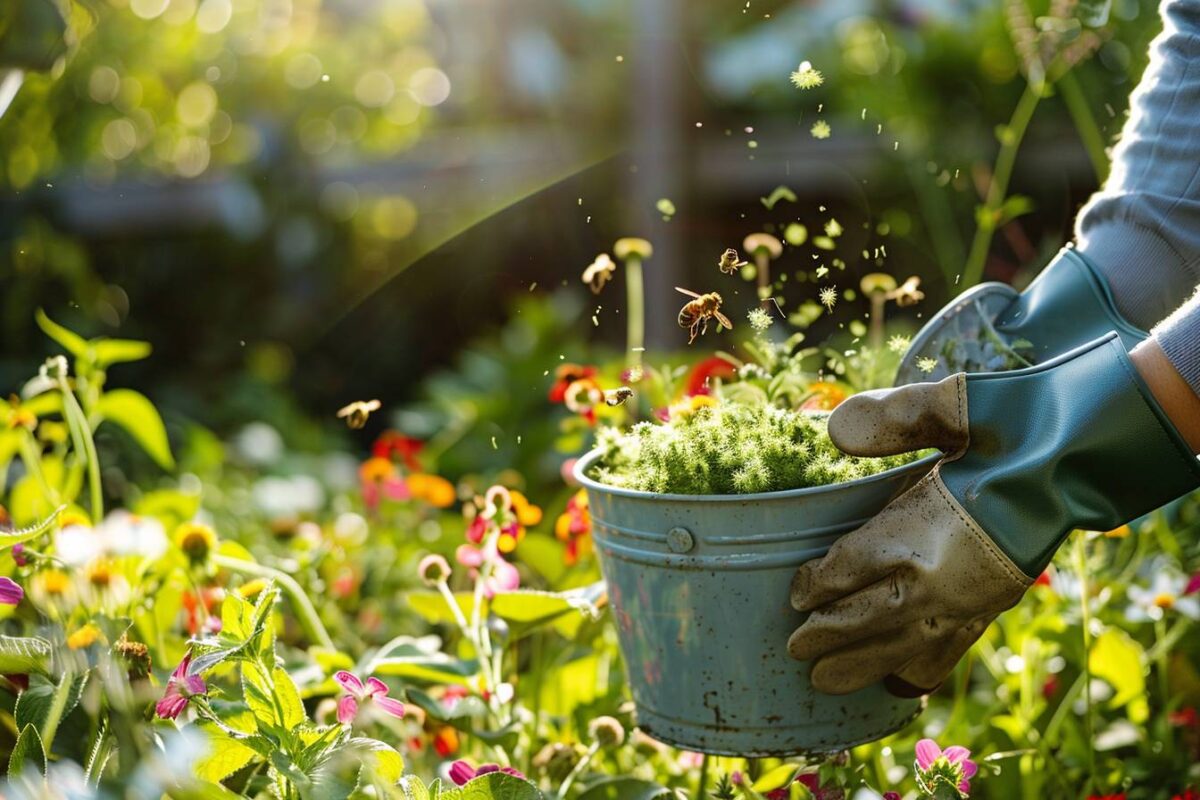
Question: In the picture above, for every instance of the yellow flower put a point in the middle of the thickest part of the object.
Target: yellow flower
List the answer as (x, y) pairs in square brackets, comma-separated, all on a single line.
[(54, 582), (527, 513), (820, 129), (433, 489), (84, 637), (99, 573), (196, 540), (1118, 533), (69, 518), (690, 405), (251, 588)]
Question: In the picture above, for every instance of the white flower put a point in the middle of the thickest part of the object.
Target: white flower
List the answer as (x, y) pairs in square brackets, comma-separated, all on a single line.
[(1165, 593), (294, 496), (125, 534), (259, 443), (77, 544)]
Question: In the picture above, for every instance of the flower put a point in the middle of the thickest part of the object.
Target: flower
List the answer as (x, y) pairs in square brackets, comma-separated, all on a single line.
[(504, 576), (461, 772), (700, 379), (181, 687), (599, 272), (393, 444), (574, 528), (686, 407), (926, 364), (1187, 794), (951, 767), (898, 344), (504, 513), (433, 569), (759, 320), (10, 592), (83, 637), (805, 77), (1167, 592), (891, 796), (820, 129), (119, 534), (582, 397), (433, 489), (564, 376), (445, 741), (1193, 584), (374, 691), (380, 480), (1118, 796), (196, 540), (824, 396), (1186, 717)]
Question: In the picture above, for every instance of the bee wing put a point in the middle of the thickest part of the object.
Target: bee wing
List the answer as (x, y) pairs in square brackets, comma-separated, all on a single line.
[(685, 291), (724, 320)]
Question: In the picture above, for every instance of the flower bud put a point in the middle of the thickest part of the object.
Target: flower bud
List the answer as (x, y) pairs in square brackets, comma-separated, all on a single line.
[(433, 569), (606, 732)]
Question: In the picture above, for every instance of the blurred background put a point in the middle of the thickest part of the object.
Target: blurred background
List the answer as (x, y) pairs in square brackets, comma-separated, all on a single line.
[(302, 203)]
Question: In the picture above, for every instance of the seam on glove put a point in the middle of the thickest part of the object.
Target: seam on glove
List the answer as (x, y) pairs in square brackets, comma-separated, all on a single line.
[(1018, 576), (964, 427)]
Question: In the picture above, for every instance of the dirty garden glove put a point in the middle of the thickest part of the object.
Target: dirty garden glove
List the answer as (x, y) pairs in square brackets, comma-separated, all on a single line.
[(1077, 442), (991, 327)]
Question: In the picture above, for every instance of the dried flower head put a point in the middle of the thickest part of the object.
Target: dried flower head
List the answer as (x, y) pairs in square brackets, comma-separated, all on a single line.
[(899, 344), (759, 319), (805, 77), (820, 129), (828, 297), (926, 364), (607, 731)]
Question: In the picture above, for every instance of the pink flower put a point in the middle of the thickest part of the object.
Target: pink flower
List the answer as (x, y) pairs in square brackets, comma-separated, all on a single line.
[(952, 765), (504, 576), (1193, 584), (461, 772), (180, 688), (10, 592), (18, 554), (891, 796), (375, 691)]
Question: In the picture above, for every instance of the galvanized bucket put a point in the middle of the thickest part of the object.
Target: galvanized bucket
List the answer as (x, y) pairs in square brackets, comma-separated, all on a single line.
[(699, 589)]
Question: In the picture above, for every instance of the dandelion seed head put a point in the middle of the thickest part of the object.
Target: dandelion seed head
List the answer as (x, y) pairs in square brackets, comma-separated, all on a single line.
[(899, 344), (828, 297), (926, 364), (821, 129), (759, 319)]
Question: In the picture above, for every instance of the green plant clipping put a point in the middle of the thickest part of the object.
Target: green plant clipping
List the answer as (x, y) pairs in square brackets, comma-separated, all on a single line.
[(732, 448)]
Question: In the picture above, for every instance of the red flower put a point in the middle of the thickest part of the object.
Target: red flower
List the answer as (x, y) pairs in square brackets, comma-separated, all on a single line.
[(1050, 687), (461, 771), (1120, 796), (1043, 579), (700, 378), (1187, 794), (1184, 718), (395, 445), (181, 687), (564, 376)]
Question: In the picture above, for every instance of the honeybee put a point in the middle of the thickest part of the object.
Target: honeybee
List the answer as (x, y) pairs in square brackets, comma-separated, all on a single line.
[(357, 412), (617, 397), (696, 313), (730, 262)]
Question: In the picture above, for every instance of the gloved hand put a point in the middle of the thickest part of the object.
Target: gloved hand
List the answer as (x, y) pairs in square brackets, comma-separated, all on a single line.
[(1077, 442), (991, 327)]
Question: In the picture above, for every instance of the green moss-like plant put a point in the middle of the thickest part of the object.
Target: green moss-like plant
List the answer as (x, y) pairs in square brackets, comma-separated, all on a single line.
[(730, 448)]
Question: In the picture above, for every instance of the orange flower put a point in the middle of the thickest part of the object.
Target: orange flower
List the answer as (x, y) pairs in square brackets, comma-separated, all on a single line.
[(527, 513), (574, 528), (433, 489), (376, 470), (826, 396)]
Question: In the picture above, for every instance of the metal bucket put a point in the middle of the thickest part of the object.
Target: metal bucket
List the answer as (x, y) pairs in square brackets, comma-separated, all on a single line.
[(699, 589)]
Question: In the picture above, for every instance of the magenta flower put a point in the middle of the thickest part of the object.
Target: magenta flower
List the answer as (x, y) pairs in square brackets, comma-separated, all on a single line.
[(375, 691), (181, 687), (891, 796), (504, 576), (951, 766), (10, 592), (461, 772), (1193, 584), (18, 554)]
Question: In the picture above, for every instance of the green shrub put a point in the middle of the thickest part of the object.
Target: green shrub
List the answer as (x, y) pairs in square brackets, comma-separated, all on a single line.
[(731, 448)]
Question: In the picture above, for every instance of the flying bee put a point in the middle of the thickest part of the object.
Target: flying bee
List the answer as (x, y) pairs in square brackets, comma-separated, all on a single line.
[(617, 397), (730, 262), (696, 313), (357, 412)]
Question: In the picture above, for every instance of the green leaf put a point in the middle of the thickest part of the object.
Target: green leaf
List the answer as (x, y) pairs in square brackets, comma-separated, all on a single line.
[(27, 752), (627, 789), (135, 413), (226, 755), (273, 698), (70, 341), (777, 778), (381, 761), (494, 786), (237, 617), (413, 788), (9, 538), (434, 609), (23, 655), (1119, 660), (169, 506), (527, 610), (113, 351), (417, 659), (34, 703)]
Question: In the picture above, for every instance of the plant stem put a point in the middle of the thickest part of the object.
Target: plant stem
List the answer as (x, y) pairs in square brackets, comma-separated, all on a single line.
[(702, 781), (762, 260), (58, 704), (998, 187), (1080, 556), (635, 293), (81, 435), (1085, 124), (305, 611), (565, 786)]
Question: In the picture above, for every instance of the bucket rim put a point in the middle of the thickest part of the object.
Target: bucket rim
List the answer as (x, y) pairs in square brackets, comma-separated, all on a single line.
[(921, 465)]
